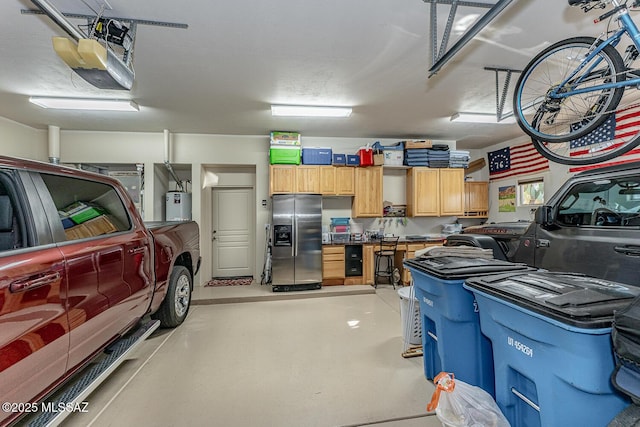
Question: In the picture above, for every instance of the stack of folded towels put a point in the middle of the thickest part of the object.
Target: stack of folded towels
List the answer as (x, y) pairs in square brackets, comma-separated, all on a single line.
[(438, 156), (416, 157), (458, 159)]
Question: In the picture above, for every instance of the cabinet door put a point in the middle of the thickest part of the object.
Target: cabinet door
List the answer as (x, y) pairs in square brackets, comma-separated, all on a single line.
[(423, 192), (333, 262), (476, 198), (367, 201), (345, 181), (282, 179), (452, 192), (367, 264), (308, 179), (327, 180)]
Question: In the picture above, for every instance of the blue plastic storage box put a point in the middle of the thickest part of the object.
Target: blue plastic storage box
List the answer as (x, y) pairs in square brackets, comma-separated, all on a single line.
[(339, 159), (450, 323), (552, 351), (340, 221), (316, 156), (353, 160)]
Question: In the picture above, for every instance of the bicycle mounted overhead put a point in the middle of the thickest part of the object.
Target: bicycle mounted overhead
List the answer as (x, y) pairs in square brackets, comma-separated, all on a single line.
[(572, 98)]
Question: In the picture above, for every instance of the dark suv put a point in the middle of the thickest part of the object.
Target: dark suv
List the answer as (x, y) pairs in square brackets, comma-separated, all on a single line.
[(591, 226)]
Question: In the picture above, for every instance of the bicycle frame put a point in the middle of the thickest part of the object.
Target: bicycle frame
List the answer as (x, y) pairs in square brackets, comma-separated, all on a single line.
[(628, 27)]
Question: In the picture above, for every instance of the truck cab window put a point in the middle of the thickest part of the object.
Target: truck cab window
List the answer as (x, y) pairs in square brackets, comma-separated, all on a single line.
[(603, 203), (87, 208), (10, 235)]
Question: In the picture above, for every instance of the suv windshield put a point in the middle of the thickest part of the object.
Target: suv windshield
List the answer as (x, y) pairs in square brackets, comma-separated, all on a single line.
[(606, 202)]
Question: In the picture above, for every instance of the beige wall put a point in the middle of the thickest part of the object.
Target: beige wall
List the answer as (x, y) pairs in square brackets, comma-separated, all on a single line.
[(18, 140)]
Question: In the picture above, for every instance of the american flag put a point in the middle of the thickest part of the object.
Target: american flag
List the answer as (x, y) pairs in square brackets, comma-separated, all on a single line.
[(618, 129), (516, 160)]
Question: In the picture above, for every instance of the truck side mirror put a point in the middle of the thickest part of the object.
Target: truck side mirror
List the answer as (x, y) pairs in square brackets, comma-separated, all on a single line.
[(543, 216)]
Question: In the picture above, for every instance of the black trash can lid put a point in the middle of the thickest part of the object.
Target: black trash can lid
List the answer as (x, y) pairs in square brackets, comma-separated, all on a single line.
[(457, 267), (571, 298)]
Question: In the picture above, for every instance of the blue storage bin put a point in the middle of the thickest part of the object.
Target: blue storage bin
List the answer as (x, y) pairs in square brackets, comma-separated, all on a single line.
[(340, 221), (450, 322), (552, 351), (398, 146), (339, 159), (353, 160), (316, 156)]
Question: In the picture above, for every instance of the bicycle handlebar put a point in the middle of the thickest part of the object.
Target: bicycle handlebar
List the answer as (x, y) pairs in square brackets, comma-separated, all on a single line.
[(608, 14)]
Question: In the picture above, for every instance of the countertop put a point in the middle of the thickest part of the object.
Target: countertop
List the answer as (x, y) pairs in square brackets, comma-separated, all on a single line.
[(375, 242)]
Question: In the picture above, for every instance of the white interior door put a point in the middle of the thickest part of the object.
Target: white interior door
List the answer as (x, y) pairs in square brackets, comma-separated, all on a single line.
[(233, 232)]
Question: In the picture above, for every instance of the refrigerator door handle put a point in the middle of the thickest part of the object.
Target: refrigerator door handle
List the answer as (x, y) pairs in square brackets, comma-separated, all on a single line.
[(296, 237)]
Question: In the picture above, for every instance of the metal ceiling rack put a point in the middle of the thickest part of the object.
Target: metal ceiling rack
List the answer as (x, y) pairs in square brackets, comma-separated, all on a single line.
[(501, 95), (441, 56)]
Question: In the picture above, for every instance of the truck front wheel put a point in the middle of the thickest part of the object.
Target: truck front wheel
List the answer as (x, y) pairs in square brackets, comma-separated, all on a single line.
[(175, 306)]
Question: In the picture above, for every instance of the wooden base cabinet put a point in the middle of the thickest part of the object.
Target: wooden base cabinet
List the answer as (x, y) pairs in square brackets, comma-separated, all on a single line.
[(333, 262), (368, 264)]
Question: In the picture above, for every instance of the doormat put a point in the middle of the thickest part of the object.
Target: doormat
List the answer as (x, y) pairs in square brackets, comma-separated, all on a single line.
[(230, 281)]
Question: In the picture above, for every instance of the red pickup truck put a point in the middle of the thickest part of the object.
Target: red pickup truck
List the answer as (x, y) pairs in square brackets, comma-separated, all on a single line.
[(79, 270)]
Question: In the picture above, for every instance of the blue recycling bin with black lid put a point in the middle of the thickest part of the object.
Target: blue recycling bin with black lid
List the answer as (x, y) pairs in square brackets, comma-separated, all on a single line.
[(552, 350), (451, 337)]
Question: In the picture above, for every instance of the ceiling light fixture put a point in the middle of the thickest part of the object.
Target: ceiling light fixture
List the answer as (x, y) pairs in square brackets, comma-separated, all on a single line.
[(309, 111), (91, 104), (482, 118)]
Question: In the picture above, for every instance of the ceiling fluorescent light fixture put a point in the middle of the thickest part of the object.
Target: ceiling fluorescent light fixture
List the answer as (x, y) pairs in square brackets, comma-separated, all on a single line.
[(309, 111), (482, 118), (90, 104)]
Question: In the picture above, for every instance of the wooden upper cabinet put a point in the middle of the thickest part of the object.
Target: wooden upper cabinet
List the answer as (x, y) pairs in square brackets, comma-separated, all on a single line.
[(327, 180), (435, 192), (476, 198), (452, 192), (282, 179), (345, 181), (367, 201), (308, 179), (314, 179), (423, 192)]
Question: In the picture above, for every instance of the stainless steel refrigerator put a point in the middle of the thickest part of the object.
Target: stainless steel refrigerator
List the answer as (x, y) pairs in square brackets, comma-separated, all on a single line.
[(296, 256)]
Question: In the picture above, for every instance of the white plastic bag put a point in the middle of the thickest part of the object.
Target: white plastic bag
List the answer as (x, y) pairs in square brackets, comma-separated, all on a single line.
[(464, 405)]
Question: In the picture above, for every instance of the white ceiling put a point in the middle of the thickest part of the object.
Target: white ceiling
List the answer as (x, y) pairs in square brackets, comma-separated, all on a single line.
[(237, 57)]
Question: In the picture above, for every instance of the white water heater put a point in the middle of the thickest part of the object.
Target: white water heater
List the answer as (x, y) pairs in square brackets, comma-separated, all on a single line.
[(178, 206)]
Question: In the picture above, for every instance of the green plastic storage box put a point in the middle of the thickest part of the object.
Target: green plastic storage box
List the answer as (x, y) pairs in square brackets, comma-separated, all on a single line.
[(284, 155)]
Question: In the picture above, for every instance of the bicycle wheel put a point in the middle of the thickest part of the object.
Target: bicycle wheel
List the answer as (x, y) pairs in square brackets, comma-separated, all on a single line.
[(619, 134), (544, 115)]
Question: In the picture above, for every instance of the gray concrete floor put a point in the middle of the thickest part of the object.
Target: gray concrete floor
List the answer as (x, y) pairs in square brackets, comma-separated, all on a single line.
[(326, 358)]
